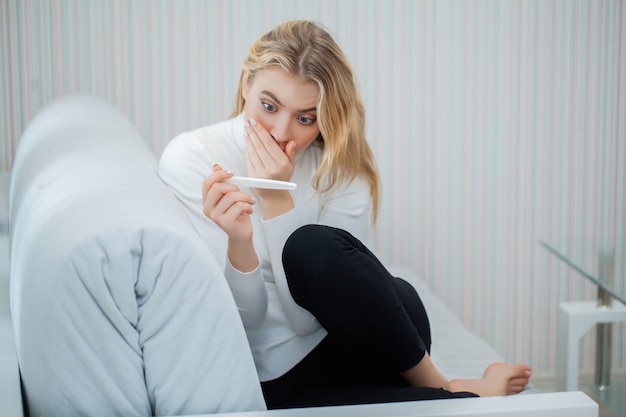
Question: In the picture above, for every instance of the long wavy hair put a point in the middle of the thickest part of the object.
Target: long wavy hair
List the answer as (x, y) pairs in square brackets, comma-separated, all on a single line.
[(306, 50)]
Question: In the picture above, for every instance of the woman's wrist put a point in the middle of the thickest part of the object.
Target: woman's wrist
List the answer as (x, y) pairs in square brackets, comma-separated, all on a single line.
[(275, 203), (242, 255)]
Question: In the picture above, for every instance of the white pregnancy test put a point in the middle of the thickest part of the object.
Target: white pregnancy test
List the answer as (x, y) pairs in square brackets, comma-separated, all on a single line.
[(261, 183)]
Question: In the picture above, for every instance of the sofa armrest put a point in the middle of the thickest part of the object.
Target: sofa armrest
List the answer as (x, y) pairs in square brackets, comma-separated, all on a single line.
[(557, 404), (118, 306)]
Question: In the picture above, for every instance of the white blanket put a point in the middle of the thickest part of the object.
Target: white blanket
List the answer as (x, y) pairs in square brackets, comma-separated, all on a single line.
[(118, 308)]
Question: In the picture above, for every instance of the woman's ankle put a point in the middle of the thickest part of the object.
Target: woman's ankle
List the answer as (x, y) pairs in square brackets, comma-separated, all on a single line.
[(425, 374)]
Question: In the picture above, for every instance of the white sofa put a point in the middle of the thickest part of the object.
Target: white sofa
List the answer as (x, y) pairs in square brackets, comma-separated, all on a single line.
[(82, 174)]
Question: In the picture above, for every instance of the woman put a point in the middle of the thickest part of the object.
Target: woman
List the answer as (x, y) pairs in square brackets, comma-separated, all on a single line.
[(327, 324)]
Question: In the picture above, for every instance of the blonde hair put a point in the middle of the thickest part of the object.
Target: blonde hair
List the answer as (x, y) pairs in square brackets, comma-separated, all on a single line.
[(306, 50)]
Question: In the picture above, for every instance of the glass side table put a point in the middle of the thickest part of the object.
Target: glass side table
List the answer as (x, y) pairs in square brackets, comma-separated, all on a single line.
[(598, 265)]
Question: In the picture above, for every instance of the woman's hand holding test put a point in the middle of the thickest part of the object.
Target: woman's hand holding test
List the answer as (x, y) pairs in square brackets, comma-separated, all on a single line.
[(230, 209)]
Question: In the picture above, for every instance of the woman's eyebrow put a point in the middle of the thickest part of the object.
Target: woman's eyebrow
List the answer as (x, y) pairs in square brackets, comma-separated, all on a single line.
[(273, 97)]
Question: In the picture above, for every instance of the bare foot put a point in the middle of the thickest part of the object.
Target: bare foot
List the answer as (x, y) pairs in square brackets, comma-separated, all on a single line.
[(498, 379)]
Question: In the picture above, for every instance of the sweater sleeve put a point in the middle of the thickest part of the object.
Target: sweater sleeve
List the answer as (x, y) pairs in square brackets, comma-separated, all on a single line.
[(277, 231), (250, 294), (183, 167)]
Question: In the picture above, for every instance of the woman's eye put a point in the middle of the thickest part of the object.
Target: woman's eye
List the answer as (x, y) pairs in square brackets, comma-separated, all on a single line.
[(306, 120), (268, 107)]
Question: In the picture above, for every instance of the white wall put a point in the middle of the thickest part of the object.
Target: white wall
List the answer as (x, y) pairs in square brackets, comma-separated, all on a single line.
[(496, 124)]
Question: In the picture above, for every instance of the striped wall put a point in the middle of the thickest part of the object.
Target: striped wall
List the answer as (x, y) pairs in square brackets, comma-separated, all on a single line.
[(496, 124)]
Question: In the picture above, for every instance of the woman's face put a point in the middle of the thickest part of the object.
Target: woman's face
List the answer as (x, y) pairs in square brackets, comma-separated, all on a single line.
[(284, 105)]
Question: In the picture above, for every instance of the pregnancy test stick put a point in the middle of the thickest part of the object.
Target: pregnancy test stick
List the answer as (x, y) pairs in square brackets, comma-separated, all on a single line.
[(261, 183)]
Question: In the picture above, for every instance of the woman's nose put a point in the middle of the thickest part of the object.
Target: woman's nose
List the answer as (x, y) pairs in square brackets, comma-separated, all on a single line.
[(281, 131)]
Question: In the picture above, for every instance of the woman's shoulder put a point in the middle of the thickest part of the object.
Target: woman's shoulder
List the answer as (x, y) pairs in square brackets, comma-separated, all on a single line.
[(225, 136), (227, 130), (191, 155)]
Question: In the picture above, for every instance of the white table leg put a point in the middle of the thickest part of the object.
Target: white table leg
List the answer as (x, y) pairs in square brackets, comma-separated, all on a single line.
[(575, 319)]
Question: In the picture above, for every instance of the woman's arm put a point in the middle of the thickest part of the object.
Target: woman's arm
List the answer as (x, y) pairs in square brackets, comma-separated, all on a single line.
[(183, 167)]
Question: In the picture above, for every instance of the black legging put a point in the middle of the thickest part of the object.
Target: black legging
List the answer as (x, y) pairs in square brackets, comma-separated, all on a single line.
[(377, 326)]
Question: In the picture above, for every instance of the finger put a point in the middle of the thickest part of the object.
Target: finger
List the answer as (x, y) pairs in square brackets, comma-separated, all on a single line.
[(277, 164), (290, 151), (229, 217), (266, 145), (238, 209), (213, 186), (213, 196), (218, 175), (254, 162), (221, 198), (231, 198)]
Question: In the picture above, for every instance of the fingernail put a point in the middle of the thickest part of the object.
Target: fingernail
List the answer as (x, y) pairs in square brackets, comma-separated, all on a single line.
[(252, 122), (246, 124), (230, 171)]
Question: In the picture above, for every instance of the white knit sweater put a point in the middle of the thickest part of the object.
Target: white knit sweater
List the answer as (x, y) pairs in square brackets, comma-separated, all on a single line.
[(287, 332)]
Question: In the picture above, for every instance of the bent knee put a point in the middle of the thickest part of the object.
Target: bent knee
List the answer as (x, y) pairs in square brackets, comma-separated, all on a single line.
[(312, 247), (311, 241)]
